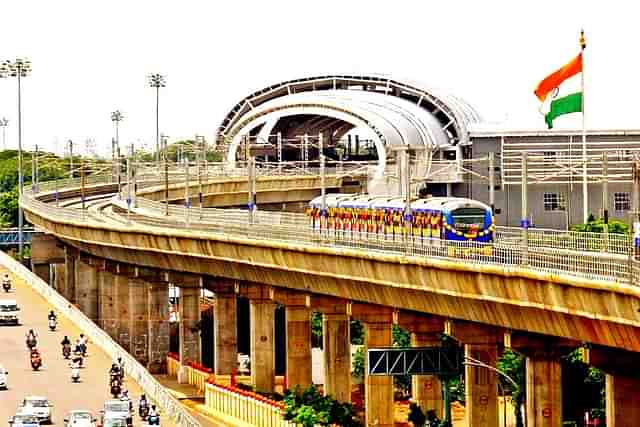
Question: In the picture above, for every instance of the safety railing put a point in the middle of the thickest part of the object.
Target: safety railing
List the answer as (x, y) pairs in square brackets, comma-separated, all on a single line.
[(240, 407), (550, 251), (170, 405), (197, 376), (173, 364)]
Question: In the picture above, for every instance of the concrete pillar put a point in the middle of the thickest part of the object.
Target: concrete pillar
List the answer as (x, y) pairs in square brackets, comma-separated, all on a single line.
[(107, 309), (42, 271), (481, 388), (337, 356), (262, 313), (59, 278), (544, 390), (69, 290), (158, 326), (427, 389), (378, 390), (123, 314), (138, 321), (298, 338), (87, 289), (622, 401), (189, 334), (225, 333)]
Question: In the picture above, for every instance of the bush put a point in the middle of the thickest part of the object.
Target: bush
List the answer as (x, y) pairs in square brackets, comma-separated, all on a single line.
[(310, 408)]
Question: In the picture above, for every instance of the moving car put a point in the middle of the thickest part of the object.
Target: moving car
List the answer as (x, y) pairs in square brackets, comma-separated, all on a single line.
[(23, 420), (115, 409), (9, 312), (114, 422), (3, 378), (79, 418), (38, 407)]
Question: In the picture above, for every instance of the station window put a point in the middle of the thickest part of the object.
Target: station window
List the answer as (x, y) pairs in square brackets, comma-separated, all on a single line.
[(622, 202), (554, 202)]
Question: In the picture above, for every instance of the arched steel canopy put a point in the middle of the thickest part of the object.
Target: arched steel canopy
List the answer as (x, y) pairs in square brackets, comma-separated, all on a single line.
[(451, 113)]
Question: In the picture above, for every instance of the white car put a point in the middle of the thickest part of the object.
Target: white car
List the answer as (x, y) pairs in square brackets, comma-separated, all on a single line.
[(22, 420), (3, 378), (9, 312), (116, 409), (37, 406), (79, 418)]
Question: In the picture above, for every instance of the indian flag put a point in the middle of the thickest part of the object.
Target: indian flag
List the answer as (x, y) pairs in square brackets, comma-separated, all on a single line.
[(554, 91)]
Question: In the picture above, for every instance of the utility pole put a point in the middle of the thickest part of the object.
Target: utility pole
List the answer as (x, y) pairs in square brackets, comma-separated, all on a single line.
[(129, 175), (134, 175), (635, 207), (82, 192), (199, 159), (323, 184), (492, 182), (166, 175), (119, 166), (71, 159), (252, 188), (279, 148), (187, 197), (407, 190), (33, 170), (524, 222), (605, 199)]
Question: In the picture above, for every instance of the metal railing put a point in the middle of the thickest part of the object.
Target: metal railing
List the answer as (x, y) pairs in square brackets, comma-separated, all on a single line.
[(156, 392), (583, 255)]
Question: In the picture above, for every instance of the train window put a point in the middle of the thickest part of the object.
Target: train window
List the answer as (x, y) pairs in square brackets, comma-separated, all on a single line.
[(466, 217)]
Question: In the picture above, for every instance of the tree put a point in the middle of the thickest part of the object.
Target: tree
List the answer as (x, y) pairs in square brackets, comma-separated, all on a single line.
[(512, 364), (310, 408)]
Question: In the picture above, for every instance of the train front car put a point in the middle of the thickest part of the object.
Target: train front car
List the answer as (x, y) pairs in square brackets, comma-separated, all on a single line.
[(467, 220)]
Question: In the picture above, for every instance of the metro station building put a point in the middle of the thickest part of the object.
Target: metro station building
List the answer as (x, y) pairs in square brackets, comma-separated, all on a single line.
[(367, 117)]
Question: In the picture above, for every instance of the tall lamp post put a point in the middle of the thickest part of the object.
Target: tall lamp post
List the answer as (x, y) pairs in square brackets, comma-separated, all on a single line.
[(116, 118), (157, 81), (4, 122), (18, 68)]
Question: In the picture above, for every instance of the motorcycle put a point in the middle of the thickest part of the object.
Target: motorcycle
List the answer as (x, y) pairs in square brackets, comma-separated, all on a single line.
[(143, 411), (53, 324), (36, 362), (75, 374), (31, 343), (66, 351), (6, 285), (153, 420)]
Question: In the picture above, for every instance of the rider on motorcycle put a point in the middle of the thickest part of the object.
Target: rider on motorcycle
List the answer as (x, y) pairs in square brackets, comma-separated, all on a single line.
[(114, 372), (6, 282), (65, 341), (35, 357), (154, 417), (31, 337), (52, 316)]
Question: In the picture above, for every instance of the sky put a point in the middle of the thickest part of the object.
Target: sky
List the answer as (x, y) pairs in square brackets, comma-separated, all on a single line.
[(90, 58)]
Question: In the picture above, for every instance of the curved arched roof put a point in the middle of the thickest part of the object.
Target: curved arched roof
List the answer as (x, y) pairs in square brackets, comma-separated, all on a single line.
[(398, 111)]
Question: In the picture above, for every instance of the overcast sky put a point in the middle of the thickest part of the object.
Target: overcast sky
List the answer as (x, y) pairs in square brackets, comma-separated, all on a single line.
[(90, 58)]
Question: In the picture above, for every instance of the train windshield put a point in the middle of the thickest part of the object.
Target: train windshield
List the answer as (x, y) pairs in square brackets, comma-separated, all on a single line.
[(466, 218)]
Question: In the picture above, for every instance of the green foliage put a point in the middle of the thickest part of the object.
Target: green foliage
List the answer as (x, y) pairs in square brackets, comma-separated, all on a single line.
[(316, 324), (356, 330), (597, 226), (9, 208), (310, 408), (512, 364), (402, 339), (357, 364)]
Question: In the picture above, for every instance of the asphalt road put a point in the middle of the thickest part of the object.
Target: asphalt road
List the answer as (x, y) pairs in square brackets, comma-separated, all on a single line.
[(53, 380)]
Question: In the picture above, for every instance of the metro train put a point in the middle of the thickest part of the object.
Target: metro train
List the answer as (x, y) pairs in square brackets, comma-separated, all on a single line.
[(446, 218)]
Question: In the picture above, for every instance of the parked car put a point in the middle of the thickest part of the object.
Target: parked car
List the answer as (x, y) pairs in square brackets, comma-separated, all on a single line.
[(9, 312), (3, 378), (23, 420), (79, 418), (37, 406)]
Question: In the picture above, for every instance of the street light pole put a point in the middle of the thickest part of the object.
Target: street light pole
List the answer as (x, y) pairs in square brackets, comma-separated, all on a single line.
[(157, 81), (116, 118), (18, 68)]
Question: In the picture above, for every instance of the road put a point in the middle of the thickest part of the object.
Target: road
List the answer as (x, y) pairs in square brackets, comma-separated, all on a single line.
[(54, 378)]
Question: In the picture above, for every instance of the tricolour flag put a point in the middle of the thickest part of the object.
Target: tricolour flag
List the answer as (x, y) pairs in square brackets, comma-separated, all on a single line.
[(554, 90)]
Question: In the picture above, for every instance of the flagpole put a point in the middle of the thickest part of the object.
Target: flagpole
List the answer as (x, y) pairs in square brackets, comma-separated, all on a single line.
[(585, 192)]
